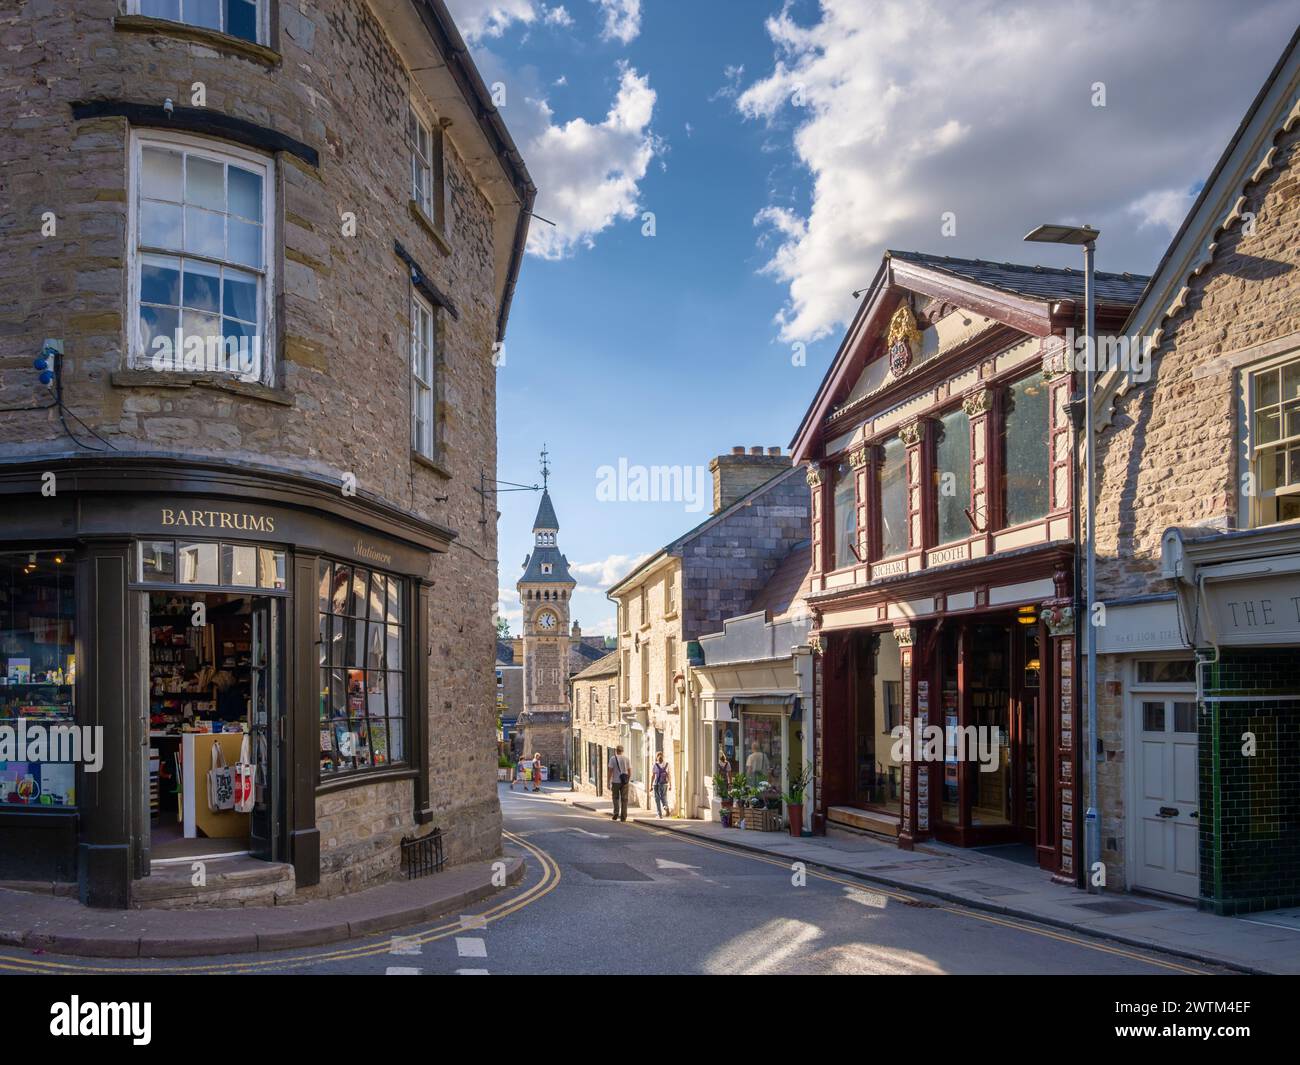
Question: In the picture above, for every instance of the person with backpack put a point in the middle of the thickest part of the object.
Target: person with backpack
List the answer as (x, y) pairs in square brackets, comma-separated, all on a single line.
[(660, 778), (620, 773)]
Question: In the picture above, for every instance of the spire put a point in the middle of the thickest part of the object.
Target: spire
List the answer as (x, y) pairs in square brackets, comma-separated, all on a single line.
[(546, 520)]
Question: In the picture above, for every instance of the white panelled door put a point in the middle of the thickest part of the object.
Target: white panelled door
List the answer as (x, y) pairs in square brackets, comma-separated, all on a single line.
[(1167, 811)]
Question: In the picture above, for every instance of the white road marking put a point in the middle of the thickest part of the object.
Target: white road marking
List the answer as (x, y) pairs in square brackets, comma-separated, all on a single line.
[(402, 970), (664, 863), (472, 972), (404, 945), (470, 947), (593, 835), (472, 920)]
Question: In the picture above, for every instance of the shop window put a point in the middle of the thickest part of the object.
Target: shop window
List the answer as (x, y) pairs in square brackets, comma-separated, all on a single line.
[(38, 657), (363, 722), (1166, 671), (761, 736), (422, 364), (1026, 428), (223, 565), (844, 500), (427, 183), (893, 499), (202, 270), (952, 476), (1275, 442), (238, 18)]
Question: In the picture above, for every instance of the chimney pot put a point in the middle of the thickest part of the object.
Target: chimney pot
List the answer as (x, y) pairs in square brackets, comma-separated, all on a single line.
[(755, 450), (738, 450), (774, 451)]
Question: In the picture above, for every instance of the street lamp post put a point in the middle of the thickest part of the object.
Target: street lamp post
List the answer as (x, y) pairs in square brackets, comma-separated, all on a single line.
[(1086, 237)]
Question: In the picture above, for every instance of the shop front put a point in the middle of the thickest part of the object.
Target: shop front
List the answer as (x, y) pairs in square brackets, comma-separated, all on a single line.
[(227, 648)]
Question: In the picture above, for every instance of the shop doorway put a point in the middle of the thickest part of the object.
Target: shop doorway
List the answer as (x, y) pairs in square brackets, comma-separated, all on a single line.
[(215, 694), (1166, 808)]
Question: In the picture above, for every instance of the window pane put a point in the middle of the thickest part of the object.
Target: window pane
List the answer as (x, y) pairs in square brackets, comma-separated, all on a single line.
[(1024, 453), (375, 647), (846, 515), (376, 597), (1173, 671), (246, 243), (160, 225), (158, 561), (203, 13), (238, 566), (205, 183), (342, 587), (893, 499), (354, 656), (270, 568), (1153, 717), (198, 563), (160, 172), (160, 280), (205, 232), (952, 475), (245, 193), (202, 290), (241, 19), (1184, 717), (323, 576), (357, 601), (156, 322), (394, 649), (394, 601), (1266, 389)]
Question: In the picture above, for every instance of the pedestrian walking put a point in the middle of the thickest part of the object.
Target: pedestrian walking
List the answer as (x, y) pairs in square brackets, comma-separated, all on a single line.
[(537, 771), (620, 773), (660, 778)]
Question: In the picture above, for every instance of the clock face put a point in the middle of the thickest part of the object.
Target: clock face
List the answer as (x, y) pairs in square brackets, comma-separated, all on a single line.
[(546, 620)]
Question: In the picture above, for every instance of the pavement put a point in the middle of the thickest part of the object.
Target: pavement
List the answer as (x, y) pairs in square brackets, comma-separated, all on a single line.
[(1266, 943), (45, 923)]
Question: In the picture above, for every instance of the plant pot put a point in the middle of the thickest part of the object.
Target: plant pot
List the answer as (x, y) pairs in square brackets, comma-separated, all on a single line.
[(795, 812)]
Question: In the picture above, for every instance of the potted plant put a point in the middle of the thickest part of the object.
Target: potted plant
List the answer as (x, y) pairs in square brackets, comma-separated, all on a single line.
[(504, 765), (723, 792), (800, 780), (741, 792)]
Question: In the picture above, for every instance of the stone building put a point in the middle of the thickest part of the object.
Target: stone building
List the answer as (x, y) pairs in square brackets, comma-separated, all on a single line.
[(1198, 540), (687, 589), (545, 590), (597, 722), (509, 676), (270, 261)]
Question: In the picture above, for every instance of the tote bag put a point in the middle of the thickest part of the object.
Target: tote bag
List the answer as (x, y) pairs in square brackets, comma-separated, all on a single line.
[(221, 781), (243, 801)]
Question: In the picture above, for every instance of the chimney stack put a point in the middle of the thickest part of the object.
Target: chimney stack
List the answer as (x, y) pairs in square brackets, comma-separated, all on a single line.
[(740, 473)]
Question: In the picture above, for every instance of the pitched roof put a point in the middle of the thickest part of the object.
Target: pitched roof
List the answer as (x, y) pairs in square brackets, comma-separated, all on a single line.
[(546, 555), (788, 582), (1035, 282), (606, 666), (546, 518), (505, 653)]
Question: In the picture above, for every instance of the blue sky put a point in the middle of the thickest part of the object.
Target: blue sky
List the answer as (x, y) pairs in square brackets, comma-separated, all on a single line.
[(781, 149)]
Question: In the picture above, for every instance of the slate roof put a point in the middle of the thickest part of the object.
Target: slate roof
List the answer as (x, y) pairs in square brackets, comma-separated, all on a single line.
[(559, 567), (1033, 282), (505, 653), (546, 518), (788, 583), (605, 666)]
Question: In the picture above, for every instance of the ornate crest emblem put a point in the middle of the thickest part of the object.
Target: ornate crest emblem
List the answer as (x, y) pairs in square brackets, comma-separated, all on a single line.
[(902, 340)]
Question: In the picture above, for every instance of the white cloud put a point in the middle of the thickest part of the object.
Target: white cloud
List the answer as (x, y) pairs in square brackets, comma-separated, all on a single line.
[(1163, 208), (901, 110), (477, 19), (622, 19), (557, 16), (588, 173), (605, 573)]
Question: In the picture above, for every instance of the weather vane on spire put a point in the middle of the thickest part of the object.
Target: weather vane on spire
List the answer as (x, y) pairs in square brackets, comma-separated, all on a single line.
[(546, 467)]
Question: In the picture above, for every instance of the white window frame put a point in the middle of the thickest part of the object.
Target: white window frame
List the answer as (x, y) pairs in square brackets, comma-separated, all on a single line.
[(137, 356), (136, 7), (1250, 506), (423, 328), (427, 168)]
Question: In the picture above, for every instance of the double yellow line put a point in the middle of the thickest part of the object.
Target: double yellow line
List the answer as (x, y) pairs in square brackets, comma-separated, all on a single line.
[(550, 878)]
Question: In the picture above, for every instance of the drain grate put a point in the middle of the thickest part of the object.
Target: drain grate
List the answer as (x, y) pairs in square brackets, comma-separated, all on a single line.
[(920, 905)]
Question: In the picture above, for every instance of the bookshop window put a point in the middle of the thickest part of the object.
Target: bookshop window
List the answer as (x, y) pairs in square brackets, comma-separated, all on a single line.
[(361, 641), (37, 610), (845, 501), (1025, 431), (952, 476), (893, 499)]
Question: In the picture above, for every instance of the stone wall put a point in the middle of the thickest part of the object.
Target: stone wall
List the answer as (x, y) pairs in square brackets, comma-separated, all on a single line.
[(340, 402)]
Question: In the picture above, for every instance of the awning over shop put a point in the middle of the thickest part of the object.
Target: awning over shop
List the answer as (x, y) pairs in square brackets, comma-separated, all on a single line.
[(791, 703)]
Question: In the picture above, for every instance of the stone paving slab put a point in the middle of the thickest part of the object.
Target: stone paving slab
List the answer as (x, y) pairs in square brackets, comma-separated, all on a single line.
[(64, 926)]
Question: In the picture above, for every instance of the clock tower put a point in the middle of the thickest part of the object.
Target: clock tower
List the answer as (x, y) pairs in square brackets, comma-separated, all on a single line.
[(544, 592)]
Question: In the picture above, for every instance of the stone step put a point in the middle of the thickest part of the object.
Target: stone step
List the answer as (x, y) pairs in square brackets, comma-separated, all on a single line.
[(877, 821), (228, 883)]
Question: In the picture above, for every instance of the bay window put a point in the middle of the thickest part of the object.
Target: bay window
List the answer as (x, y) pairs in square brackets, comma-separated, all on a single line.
[(1274, 452), (952, 476), (238, 18), (893, 499), (1026, 430), (201, 281), (422, 362), (845, 504)]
